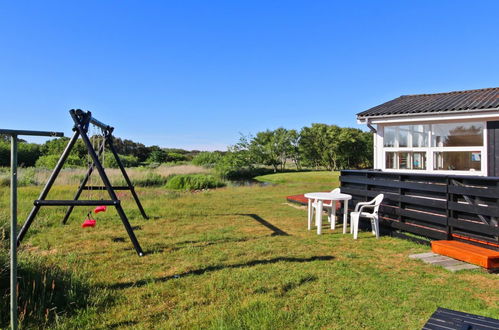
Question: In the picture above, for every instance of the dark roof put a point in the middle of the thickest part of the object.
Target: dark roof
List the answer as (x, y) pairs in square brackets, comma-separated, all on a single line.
[(477, 99)]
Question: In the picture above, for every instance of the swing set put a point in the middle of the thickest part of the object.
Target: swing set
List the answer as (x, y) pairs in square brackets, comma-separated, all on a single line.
[(100, 137)]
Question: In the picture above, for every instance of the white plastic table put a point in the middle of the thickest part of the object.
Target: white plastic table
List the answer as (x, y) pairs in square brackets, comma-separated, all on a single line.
[(320, 197)]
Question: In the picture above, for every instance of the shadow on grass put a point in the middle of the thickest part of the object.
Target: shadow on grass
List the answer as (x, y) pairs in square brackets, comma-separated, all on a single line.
[(208, 269), (276, 231), (122, 324), (160, 248)]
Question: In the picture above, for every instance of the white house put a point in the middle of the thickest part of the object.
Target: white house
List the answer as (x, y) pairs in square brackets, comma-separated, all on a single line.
[(443, 133)]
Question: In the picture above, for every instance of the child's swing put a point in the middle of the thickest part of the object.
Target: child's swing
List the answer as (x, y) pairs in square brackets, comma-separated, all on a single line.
[(90, 221)]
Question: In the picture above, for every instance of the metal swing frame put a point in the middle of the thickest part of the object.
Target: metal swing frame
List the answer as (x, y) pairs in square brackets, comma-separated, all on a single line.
[(82, 120)]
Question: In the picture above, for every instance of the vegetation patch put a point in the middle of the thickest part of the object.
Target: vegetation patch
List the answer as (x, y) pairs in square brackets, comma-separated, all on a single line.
[(150, 180), (46, 292), (194, 182)]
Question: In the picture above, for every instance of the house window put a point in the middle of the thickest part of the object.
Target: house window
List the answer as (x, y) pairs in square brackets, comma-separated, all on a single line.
[(457, 135), (435, 147), (406, 136), (457, 161), (406, 160)]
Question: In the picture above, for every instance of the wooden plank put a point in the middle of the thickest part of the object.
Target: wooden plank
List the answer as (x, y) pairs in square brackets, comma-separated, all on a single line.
[(397, 184), (474, 209), (493, 147), (472, 237), (470, 191), (431, 218), (419, 230), (397, 198), (476, 227), (447, 319)]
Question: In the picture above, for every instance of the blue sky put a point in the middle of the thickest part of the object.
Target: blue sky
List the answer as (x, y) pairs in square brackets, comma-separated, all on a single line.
[(195, 74)]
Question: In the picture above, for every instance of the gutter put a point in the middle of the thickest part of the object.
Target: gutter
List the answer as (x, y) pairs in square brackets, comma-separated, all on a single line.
[(371, 127), (366, 118)]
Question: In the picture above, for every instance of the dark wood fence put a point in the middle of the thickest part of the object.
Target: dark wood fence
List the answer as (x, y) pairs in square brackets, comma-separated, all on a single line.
[(432, 205)]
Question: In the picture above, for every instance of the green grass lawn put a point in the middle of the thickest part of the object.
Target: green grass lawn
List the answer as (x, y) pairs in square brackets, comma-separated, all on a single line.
[(241, 257)]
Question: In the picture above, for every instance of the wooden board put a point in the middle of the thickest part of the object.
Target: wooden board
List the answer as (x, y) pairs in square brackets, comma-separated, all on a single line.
[(466, 252), (445, 319)]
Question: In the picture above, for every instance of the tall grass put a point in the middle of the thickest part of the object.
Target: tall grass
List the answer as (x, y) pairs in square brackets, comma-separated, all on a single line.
[(141, 176), (45, 291), (194, 182)]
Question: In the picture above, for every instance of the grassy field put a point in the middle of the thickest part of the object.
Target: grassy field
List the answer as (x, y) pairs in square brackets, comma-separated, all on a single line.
[(241, 258)]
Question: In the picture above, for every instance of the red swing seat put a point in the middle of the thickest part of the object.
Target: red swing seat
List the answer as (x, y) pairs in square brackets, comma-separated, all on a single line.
[(88, 223), (101, 208)]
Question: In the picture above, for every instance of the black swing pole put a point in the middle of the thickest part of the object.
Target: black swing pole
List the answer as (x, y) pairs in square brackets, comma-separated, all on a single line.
[(109, 140), (80, 128)]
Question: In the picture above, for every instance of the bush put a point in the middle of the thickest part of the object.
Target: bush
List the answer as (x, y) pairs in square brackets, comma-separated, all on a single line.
[(151, 179), (27, 177), (50, 161), (175, 157), (4, 180), (207, 159), (27, 153), (236, 165), (193, 182), (127, 160)]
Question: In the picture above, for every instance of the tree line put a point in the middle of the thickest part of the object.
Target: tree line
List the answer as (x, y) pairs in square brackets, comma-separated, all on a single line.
[(317, 146), (131, 153)]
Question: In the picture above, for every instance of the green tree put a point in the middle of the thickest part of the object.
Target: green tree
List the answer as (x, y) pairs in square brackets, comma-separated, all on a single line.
[(27, 155), (157, 155), (319, 145), (294, 150), (272, 148)]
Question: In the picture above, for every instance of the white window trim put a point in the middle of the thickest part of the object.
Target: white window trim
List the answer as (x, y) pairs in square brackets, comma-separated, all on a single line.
[(381, 150)]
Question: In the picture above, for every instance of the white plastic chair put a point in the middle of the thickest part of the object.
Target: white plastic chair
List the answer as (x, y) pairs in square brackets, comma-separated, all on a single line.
[(330, 208), (359, 212)]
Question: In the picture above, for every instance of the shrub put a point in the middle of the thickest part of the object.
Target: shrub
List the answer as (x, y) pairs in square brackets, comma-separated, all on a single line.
[(207, 159), (158, 156), (27, 177), (4, 180), (127, 160), (236, 165), (50, 161), (193, 182), (175, 157), (151, 179), (27, 155)]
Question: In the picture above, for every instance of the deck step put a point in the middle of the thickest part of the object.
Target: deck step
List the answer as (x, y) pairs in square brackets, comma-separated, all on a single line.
[(299, 199), (466, 252)]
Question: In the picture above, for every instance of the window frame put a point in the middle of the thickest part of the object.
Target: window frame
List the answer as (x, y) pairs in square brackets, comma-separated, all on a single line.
[(430, 150)]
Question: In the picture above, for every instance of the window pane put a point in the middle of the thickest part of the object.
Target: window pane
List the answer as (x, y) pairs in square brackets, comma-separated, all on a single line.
[(457, 135), (403, 135), (420, 135), (419, 160), (390, 160), (404, 162), (389, 136), (458, 160), (406, 136)]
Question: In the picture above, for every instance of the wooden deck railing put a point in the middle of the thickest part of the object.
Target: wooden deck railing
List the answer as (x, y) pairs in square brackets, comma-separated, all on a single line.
[(432, 205)]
